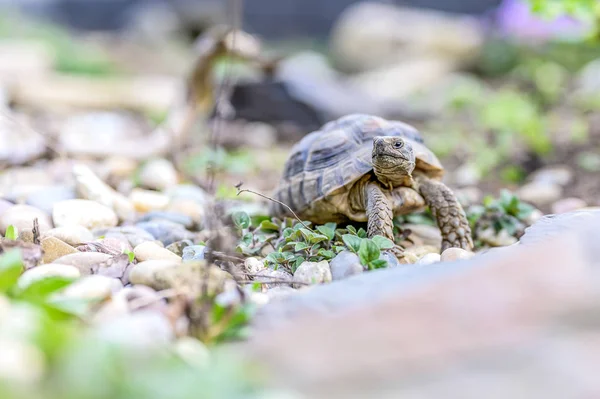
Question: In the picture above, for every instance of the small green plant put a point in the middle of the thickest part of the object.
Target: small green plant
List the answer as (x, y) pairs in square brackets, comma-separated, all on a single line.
[(294, 242), (12, 233), (39, 292), (130, 255), (506, 213)]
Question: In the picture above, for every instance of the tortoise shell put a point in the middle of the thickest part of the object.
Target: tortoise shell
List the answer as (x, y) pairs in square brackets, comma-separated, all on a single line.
[(324, 165)]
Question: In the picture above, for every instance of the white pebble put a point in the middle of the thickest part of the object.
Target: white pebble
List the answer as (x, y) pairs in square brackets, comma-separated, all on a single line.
[(429, 259), (453, 254), (312, 273)]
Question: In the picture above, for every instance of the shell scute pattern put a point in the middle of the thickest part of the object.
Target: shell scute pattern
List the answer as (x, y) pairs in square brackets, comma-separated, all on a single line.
[(327, 160)]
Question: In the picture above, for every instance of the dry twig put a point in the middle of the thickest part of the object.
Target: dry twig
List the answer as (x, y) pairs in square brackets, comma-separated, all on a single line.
[(240, 190)]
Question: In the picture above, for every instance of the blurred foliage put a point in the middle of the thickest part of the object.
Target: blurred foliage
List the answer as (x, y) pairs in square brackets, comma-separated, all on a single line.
[(72, 56), (583, 10), (518, 103), (50, 353), (236, 162), (506, 213)]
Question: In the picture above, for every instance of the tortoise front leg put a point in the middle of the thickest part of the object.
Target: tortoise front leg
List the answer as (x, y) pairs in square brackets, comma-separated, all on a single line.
[(449, 214), (380, 216)]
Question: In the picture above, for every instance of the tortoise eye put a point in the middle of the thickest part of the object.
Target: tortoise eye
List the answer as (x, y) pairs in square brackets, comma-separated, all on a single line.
[(398, 144)]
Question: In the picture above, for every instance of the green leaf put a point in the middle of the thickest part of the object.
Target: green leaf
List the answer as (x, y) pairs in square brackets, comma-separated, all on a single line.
[(11, 267), (368, 251), (377, 264), (247, 239), (267, 225), (12, 233), (339, 248), (41, 289), (288, 231), (317, 238), (328, 230), (130, 255), (361, 233), (300, 246), (326, 253), (351, 229), (352, 242), (241, 219), (299, 260), (275, 257), (524, 211), (313, 238), (382, 242)]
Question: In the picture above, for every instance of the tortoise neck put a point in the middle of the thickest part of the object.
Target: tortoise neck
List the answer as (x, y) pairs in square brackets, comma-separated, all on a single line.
[(394, 176)]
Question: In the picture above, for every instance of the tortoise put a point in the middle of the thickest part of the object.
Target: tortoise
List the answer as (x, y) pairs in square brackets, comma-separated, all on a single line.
[(365, 168)]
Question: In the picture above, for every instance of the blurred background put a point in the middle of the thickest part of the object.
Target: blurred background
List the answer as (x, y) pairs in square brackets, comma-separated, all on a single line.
[(149, 93), (502, 89)]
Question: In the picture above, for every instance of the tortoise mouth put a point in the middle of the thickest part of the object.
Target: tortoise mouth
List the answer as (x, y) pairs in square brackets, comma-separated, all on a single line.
[(386, 156)]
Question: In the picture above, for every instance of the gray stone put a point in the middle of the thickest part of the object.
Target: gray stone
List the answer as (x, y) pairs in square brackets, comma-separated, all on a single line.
[(22, 217), (178, 246), (188, 192), (91, 187), (253, 265), (429, 259), (18, 142), (84, 261), (540, 193), (158, 174), (84, 213), (422, 234), (350, 293), (148, 200), (4, 205), (194, 252), (135, 235), (166, 232), (173, 217), (144, 272), (103, 134), (279, 292), (552, 225), (345, 264), (312, 273), (151, 251), (565, 205), (72, 235), (454, 254), (500, 239), (46, 198), (142, 330), (274, 278), (559, 175), (390, 258), (94, 287)]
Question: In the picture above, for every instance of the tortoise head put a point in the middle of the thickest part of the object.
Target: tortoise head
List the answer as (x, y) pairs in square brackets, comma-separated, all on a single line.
[(393, 159)]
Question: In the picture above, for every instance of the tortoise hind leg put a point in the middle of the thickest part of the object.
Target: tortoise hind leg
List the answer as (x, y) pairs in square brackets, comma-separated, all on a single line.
[(448, 213), (380, 216)]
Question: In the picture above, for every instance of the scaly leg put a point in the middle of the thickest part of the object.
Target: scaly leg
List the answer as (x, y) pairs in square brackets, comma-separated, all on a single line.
[(380, 216), (449, 214)]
